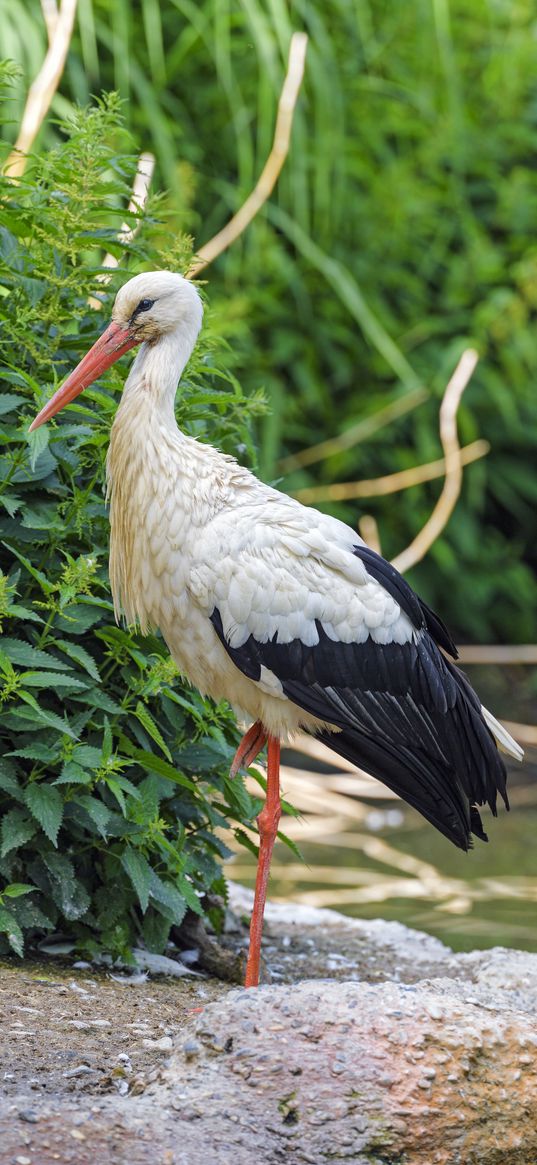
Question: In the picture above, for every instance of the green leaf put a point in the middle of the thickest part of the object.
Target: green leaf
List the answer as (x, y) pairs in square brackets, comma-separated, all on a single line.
[(245, 840), (37, 716), (9, 403), (169, 901), (11, 503), (73, 774), (10, 927), (78, 618), (127, 786), (23, 613), (23, 654), (10, 785), (140, 874), (66, 890), (45, 679), (147, 722), (46, 805), (46, 586), (202, 756), (6, 666), (189, 894), (16, 890), (96, 810), (96, 698), (8, 769), (16, 829), (113, 784), (288, 841), (154, 764), (29, 914), (239, 797), (156, 931), (36, 751), (79, 655), (87, 756), (37, 442), (108, 743)]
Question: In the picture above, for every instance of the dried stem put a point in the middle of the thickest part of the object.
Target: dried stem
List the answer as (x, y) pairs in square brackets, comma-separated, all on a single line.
[(343, 491), (452, 453), (355, 433), (50, 12), (139, 196), (60, 30), (523, 733), (271, 170), (369, 531), (502, 654)]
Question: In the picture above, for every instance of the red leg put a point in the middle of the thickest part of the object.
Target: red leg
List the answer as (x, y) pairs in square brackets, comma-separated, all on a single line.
[(249, 748), (268, 827)]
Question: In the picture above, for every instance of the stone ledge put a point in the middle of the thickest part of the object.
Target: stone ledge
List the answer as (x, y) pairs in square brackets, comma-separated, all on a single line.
[(378, 1045)]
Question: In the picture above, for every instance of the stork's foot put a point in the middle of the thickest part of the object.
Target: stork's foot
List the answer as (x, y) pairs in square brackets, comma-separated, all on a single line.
[(264, 976), (249, 748)]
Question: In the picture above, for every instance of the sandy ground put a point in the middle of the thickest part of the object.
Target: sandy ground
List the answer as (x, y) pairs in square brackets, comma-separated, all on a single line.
[(79, 1056), (83, 1055)]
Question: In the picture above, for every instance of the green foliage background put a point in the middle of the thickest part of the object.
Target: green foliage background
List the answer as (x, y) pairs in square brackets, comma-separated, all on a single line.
[(403, 229), (113, 772), (407, 211)]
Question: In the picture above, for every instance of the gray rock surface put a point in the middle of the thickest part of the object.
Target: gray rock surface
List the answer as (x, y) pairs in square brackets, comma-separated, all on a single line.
[(374, 1045), (427, 1074)]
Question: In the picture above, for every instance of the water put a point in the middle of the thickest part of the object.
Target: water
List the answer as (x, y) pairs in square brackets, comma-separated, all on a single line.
[(372, 856)]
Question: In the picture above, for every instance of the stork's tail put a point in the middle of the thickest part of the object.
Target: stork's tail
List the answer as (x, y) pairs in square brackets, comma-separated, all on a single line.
[(502, 737)]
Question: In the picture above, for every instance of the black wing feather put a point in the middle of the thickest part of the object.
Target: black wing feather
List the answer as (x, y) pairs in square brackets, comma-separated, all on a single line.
[(416, 609), (404, 712)]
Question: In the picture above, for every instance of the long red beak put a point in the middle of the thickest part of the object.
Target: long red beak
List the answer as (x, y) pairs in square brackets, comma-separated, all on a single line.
[(107, 349)]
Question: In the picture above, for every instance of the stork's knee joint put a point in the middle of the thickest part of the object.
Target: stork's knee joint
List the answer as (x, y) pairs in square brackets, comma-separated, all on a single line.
[(268, 821)]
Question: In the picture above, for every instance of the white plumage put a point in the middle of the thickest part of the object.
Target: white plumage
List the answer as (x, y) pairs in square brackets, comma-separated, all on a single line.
[(191, 529), (276, 607)]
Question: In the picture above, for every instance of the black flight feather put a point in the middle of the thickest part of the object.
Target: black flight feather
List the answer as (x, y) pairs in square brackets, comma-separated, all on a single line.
[(404, 712)]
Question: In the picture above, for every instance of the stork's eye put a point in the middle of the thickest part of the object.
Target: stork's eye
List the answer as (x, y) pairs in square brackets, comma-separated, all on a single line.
[(144, 305)]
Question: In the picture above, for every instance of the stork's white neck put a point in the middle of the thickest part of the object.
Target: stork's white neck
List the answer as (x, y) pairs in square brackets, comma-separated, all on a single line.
[(158, 368)]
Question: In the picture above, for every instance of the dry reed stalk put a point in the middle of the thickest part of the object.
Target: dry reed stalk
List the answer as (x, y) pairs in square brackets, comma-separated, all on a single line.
[(139, 196), (355, 433), (505, 654), (59, 24), (343, 491), (452, 453), (524, 733), (309, 797), (369, 531), (272, 168), (359, 787)]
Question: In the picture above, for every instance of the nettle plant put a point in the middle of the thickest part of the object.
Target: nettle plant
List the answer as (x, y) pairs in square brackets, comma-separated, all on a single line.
[(113, 771)]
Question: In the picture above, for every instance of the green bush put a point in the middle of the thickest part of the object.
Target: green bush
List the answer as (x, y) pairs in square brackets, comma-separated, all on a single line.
[(113, 772)]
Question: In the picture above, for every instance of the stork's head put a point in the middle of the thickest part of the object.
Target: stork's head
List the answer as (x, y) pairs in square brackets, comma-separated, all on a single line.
[(148, 307)]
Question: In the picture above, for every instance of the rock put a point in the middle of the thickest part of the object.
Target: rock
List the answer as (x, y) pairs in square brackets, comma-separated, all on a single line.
[(500, 969), (160, 964), (164, 1044), (327, 944), (417, 1073), (378, 1045)]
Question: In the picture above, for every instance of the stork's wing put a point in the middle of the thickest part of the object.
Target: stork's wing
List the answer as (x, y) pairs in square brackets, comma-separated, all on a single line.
[(312, 609)]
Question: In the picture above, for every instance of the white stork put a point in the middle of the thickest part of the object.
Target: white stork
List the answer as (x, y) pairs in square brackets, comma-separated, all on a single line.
[(278, 608)]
